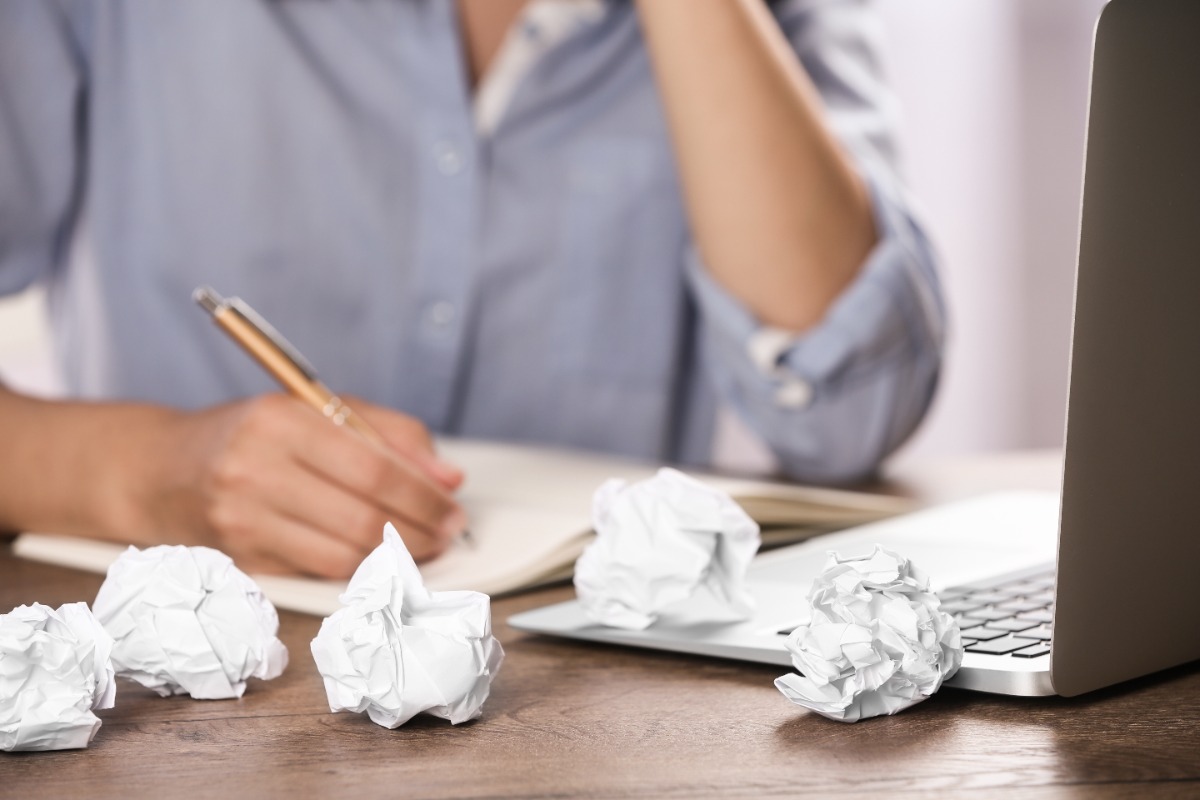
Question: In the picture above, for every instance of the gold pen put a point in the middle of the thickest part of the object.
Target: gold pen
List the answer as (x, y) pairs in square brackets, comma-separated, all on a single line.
[(279, 358), (259, 338), (284, 362)]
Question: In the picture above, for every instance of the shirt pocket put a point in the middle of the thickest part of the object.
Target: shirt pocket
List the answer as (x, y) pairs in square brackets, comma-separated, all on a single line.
[(621, 296)]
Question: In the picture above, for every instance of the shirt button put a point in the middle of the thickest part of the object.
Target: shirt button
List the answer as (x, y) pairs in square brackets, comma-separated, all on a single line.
[(440, 314), (447, 157), (794, 393)]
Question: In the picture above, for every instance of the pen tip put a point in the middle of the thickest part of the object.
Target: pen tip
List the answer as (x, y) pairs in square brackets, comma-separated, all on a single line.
[(208, 299)]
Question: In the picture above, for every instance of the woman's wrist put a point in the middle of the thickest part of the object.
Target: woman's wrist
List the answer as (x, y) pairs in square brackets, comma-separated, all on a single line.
[(133, 458), (79, 468)]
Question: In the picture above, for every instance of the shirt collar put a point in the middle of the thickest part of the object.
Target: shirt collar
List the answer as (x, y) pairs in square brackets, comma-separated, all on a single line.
[(542, 26)]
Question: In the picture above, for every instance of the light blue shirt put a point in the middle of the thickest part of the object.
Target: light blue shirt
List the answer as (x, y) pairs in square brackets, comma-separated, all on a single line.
[(319, 158)]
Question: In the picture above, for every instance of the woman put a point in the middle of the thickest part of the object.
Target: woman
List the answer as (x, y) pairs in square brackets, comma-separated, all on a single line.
[(588, 222)]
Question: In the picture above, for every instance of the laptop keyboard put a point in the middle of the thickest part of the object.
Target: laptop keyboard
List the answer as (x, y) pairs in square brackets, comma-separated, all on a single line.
[(1012, 618)]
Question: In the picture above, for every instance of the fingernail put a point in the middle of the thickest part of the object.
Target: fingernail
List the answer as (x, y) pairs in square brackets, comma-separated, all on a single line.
[(454, 524)]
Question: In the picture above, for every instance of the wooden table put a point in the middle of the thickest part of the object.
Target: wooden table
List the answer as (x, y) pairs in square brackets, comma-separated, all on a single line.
[(570, 719)]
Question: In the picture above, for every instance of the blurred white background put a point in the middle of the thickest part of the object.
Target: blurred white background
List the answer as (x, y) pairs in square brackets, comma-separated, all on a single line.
[(995, 97), (995, 105)]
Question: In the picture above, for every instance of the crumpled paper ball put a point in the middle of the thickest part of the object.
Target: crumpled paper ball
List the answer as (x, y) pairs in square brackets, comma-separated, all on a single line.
[(54, 671), (396, 649), (657, 542), (185, 620), (877, 642)]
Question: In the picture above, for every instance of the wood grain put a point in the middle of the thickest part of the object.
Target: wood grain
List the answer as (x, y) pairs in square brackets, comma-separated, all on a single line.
[(573, 720)]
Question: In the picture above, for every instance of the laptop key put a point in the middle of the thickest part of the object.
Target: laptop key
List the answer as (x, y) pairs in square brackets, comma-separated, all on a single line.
[(1040, 632), (990, 614), (999, 647), (1027, 585), (1043, 581), (959, 606), (1013, 624), (1021, 605), (1041, 615), (982, 633), (989, 597), (1040, 649)]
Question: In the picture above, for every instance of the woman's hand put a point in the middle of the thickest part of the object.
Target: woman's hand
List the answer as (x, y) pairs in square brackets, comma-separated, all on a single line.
[(266, 480), (280, 489)]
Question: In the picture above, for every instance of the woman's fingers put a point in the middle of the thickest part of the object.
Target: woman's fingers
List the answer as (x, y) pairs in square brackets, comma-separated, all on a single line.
[(411, 439), (330, 509), (276, 485), (396, 485)]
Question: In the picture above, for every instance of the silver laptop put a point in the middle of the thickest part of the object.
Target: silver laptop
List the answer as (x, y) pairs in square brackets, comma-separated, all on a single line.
[(1122, 602)]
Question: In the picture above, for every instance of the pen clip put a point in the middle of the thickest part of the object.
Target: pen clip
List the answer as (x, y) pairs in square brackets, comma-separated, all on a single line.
[(214, 303)]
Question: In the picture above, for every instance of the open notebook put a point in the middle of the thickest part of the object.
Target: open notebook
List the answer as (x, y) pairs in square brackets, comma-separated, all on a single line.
[(529, 511)]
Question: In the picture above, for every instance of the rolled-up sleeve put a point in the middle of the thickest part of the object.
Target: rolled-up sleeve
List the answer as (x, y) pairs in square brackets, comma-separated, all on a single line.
[(833, 402), (41, 116)]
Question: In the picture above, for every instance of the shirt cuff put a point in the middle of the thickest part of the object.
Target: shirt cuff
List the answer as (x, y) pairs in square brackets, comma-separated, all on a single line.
[(890, 304)]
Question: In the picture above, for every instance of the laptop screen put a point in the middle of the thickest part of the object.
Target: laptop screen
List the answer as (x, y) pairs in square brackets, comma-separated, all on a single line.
[(1130, 537)]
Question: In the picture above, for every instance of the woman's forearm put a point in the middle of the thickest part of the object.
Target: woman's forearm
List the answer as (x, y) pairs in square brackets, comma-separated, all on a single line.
[(266, 479), (780, 217), (67, 467)]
